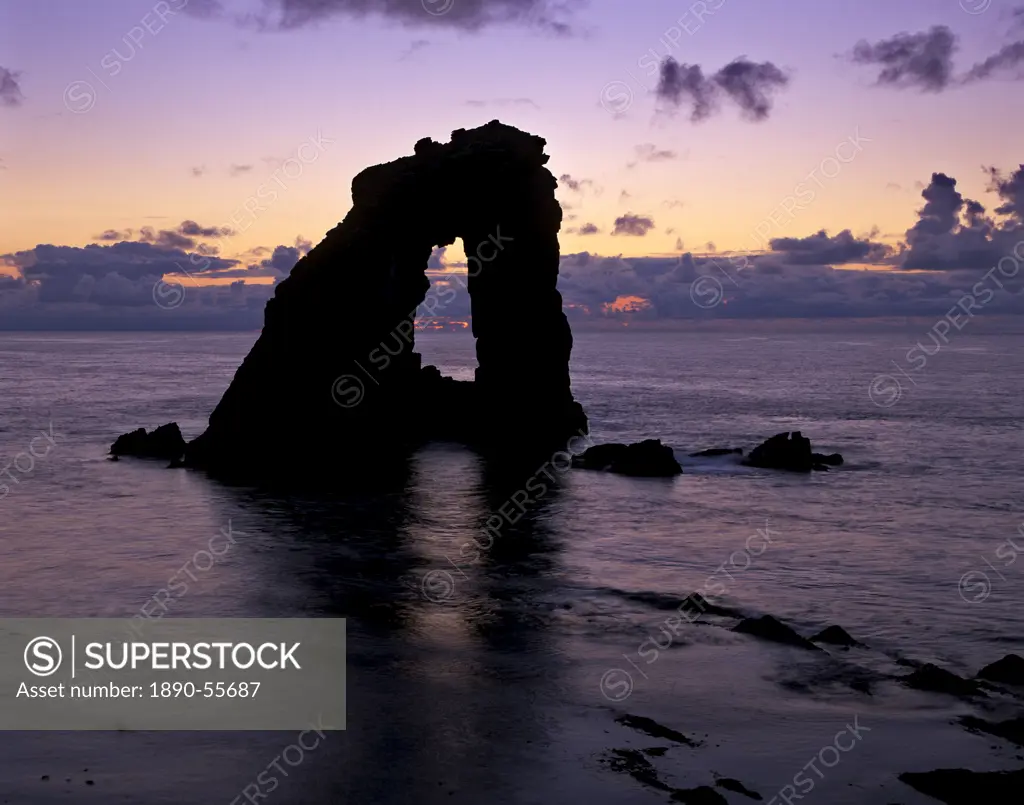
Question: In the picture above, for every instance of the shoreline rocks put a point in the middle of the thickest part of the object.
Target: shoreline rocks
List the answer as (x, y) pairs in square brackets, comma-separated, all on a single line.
[(790, 451), (166, 442), (647, 459)]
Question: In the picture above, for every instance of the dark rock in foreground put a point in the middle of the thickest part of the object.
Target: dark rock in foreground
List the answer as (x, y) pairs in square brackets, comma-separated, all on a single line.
[(648, 726), (965, 787), (768, 628), (737, 787), (938, 680), (1012, 730), (334, 379), (166, 442), (791, 452), (1008, 671), (718, 451), (646, 459), (836, 636)]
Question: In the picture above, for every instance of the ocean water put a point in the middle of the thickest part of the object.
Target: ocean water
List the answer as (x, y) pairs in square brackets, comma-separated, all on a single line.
[(497, 676)]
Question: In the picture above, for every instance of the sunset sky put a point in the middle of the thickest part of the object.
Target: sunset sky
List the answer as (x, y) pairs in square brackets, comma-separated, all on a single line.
[(127, 114)]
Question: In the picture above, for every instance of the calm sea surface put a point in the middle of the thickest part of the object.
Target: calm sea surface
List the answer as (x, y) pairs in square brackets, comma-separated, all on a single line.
[(497, 679)]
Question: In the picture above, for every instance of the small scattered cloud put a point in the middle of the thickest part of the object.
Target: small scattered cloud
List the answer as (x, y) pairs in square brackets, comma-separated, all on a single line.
[(923, 60), (821, 249), (1007, 63), (634, 225), (504, 102), (199, 170), (648, 152), (10, 88), (475, 15), (750, 85), (576, 185), (239, 170), (585, 229), (114, 235), (414, 47)]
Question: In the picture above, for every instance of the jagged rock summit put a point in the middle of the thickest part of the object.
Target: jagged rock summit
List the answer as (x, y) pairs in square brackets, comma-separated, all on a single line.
[(335, 377)]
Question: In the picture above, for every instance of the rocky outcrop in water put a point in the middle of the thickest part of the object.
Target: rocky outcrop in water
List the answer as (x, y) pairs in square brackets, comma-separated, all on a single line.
[(648, 459), (334, 379), (166, 442), (791, 452), (1008, 671)]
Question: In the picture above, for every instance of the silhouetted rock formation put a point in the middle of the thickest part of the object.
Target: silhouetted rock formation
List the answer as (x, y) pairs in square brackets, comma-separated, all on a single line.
[(1009, 670), (768, 628), (792, 452), (649, 459), (718, 451), (166, 442), (334, 377)]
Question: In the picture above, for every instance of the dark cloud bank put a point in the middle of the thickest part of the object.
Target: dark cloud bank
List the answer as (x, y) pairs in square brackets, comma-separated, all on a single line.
[(955, 245)]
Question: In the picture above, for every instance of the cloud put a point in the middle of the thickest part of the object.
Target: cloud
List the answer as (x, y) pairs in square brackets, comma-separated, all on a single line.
[(199, 171), (922, 60), (925, 61), (204, 9), (648, 152), (750, 85), (469, 15), (414, 47), (184, 236), (114, 235), (195, 230), (1008, 58), (576, 185), (10, 90), (121, 273), (954, 233), (238, 170), (504, 102), (635, 225), (820, 249), (585, 229)]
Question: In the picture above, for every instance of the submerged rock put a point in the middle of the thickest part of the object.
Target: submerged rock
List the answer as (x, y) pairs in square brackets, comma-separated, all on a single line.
[(768, 628), (166, 442), (836, 636), (648, 459), (938, 680), (791, 452), (1008, 671), (648, 726), (729, 784), (718, 451), (965, 787), (1012, 730), (832, 459)]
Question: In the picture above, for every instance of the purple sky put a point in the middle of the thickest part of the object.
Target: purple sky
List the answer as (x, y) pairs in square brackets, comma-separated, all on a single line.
[(128, 114)]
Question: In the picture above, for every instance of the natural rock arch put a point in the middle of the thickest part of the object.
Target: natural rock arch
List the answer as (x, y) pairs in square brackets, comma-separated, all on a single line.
[(334, 375)]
